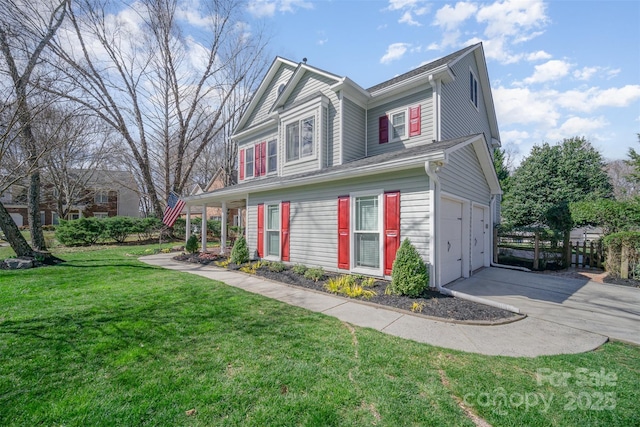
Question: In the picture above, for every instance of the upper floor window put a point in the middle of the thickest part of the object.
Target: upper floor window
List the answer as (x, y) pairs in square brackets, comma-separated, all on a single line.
[(473, 89), (272, 156), (398, 125), (248, 163), (299, 139), (101, 197)]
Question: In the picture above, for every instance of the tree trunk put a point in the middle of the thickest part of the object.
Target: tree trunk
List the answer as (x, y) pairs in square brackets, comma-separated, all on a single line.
[(566, 249), (12, 234), (33, 212)]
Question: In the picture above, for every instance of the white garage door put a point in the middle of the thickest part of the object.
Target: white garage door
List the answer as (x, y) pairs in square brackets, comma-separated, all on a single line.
[(450, 241), (17, 218), (478, 237)]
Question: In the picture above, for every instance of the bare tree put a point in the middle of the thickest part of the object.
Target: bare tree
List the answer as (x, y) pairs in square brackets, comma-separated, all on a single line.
[(168, 95), (26, 28), (624, 186)]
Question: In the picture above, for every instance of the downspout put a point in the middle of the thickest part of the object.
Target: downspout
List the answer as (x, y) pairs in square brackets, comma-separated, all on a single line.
[(432, 168)]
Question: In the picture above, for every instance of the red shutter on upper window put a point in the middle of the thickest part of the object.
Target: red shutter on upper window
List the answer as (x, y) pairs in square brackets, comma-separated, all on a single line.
[(343, 232), (383, 129), (391, 229), (414, 120), (241, 164), (256, 160), (263, 158), (260, 245), (284, 253)]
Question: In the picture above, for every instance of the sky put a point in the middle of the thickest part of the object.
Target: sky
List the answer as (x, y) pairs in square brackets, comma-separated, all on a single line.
[(557, 69)]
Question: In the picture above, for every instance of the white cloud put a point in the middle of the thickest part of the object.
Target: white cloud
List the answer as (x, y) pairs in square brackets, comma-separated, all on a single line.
[(512, 17), (593, 98), (323, 38), (587, 72), (409, 9), (551, 70), (580, 126), (267, 8), (394, 52), (450, 18), (407, 18), (523, 106), (514, 136), (538, 56), (401, 4)]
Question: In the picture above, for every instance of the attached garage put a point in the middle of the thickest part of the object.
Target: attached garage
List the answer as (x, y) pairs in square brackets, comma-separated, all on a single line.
[(451, 244), (479, 237)]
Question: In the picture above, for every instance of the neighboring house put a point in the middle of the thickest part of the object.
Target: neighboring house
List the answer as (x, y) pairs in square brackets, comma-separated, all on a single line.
[(106, 193), (216, 183), (334, 175)]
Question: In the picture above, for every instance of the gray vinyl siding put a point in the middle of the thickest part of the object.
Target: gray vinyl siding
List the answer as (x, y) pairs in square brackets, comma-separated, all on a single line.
[(422, 97), (313, 214), (261, 111), (266, 135), (459, 116), (353, 133), (309, 84), (463, 177)]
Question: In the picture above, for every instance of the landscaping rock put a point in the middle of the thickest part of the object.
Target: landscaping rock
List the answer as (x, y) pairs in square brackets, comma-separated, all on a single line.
[(18, 263)]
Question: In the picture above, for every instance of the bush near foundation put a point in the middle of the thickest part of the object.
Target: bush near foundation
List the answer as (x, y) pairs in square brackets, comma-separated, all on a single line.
[(409, 275)]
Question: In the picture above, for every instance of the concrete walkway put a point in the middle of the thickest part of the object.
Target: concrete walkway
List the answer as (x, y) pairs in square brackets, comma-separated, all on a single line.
[(609, 310), (529, 337)]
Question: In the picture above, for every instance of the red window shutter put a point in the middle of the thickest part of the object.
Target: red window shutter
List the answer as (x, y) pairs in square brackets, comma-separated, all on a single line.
[(256, 160), (383, 129), (263, 158), (284, 230), (343, 232), (242, 164), (391, 229), (414, 120), (260, 244)]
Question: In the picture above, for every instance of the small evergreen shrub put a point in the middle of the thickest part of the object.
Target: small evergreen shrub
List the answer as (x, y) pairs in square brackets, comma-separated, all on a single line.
[(192, 244), (240, 251), (299, 269), (277, 267), (118, 228), (409, 275), (82, 231), (315, 274)]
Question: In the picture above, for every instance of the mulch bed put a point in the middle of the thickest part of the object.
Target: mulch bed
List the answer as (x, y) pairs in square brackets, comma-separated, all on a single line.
[(434, 303)]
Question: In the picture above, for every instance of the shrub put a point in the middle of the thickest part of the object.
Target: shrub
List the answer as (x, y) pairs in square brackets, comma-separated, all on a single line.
[(277, 267), (614, 244), (213, 227), (240, 251), (409, 275), (83, 231), (348, 285), (192, 244), (180, 227), (146, 227), (118, 228), (299, 269), (315, 274)]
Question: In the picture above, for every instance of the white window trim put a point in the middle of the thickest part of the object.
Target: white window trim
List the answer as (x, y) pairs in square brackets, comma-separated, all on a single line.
[(316, 119), (477, 101), (352, 225), (251, 147), (106, 215), (265, 233), (101, 193), (390, 115), (275, 172)]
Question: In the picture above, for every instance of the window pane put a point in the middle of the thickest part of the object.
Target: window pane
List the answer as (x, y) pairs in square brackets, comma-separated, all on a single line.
[(293, 141), (367, 213), (273, 156), (307, 136), (398, 125), (273, 219), (248, 163), (367, 247), (273, 242)]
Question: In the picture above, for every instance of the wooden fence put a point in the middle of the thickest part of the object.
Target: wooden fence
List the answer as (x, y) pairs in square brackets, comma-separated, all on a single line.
[(587, 254)]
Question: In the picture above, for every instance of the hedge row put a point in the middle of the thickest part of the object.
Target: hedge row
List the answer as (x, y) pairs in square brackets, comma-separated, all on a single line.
[(88, 231)]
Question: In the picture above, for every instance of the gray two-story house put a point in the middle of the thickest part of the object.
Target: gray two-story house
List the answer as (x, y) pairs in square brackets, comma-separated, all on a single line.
[(335, 175)]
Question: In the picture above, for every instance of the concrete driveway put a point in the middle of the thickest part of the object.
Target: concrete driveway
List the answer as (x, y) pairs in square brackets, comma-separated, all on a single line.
[(604, 309)]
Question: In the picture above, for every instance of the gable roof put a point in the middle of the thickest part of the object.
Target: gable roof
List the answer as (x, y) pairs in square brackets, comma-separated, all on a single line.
[(302, 69), (386, 162)]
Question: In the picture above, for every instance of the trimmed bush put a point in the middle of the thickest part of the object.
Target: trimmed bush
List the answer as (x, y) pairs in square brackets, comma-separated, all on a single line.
[(118, 228), (240, 251), (615, 244), (192, 244), (409, 275), (146, 227), (82, 231)]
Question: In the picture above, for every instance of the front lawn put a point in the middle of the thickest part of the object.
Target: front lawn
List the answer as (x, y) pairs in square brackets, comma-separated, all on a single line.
[(104, 339)]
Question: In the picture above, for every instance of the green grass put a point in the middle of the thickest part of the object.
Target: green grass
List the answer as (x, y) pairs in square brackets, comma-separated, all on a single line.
[(106, 340)]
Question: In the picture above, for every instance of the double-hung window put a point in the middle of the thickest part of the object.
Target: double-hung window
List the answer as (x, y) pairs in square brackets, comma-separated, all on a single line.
[(273, 230), (272, 156), (101, 197), (300, 139), (366, 232), (248, 162), (398, 127)]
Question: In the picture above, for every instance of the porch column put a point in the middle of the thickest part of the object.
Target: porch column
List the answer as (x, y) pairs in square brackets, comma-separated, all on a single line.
[(241, 221), (204, 228), (187, 228), (223, 229)]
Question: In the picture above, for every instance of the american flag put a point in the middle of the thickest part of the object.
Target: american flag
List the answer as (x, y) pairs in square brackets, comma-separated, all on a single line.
[(173, 209)]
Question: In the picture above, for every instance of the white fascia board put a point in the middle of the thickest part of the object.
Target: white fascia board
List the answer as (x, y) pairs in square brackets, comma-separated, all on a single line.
[(295, 79), (275, 66), (272, 121), (233, 194), (352, 91), (487, 93), (382, 96)]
